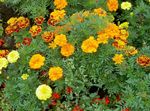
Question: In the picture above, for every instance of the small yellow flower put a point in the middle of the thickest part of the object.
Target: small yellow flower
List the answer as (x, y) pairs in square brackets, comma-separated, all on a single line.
[(55, 73), (24, 76), (60, 4), (60, 40), (13, 56), (126, 5), (89, 45), (52, 45), (3, 63), (118, 58), (43, 92), (58, 15), (124, 25)]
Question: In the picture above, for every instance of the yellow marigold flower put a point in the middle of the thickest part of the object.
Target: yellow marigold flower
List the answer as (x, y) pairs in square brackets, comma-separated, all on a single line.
[(52, 45), (13, 56), (126, 5), (60, 4), (100, 12), (24, 76), (43, 92), (67, 50), (36, 61), (89, 45), (3, 63), (35, 30), (118, 58), (112, 5), (47, 36), (60, 40), (124, 25), (12, 21), (57, 15), (102, 38), (55, 73)]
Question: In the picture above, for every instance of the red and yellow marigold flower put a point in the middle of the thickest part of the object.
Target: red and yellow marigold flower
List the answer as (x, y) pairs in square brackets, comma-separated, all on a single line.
[(100, 12), (55, 73), (12, 21), (52, 22), (89, 45), (67, 50), (27, 41), (60, 40), (35, 30), (130, 50), (23, 22), (143, 60), (60, 4), (47, 36), (3, 53), (118, 58), (39, 20), (36, 61), (112, 5)]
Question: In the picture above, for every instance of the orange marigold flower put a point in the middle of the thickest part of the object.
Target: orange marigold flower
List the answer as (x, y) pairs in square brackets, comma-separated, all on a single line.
[(35, 30), (3, 53), (60, 40), (10, 29), (57, 15), (89, 45), (60, 4), (23, 22), (100, 12), (67, 50), (27, 41), (118, 58), (55, 73), (36, 61), (39, 20), (47, 36), (143, 60), (130, 50), (112, 5)]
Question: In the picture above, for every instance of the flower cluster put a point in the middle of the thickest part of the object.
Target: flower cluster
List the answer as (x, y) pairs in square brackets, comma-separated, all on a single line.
[(15, 24)]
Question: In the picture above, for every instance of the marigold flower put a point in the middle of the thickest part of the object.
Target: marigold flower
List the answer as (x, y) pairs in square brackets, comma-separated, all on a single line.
[(39, 20), (118, 58), (55, 73), (3, 53), (35, 30), (143, 60), (23, 22), (3, 63), (60, 40), (36, 61), (112, 5), (52, 22), (126, 5), (100, 12), (12, 21), (55, 96), (69, 90), (47, 36), (43, 92), (107, 101), (60, 4), (67, 50), (24, 76), (13, 56), (27, 41), (124, 25), (10, 29), (130, 50), (89, 45), (52, 45), (102, 38), (57, 15), (119, 44)]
